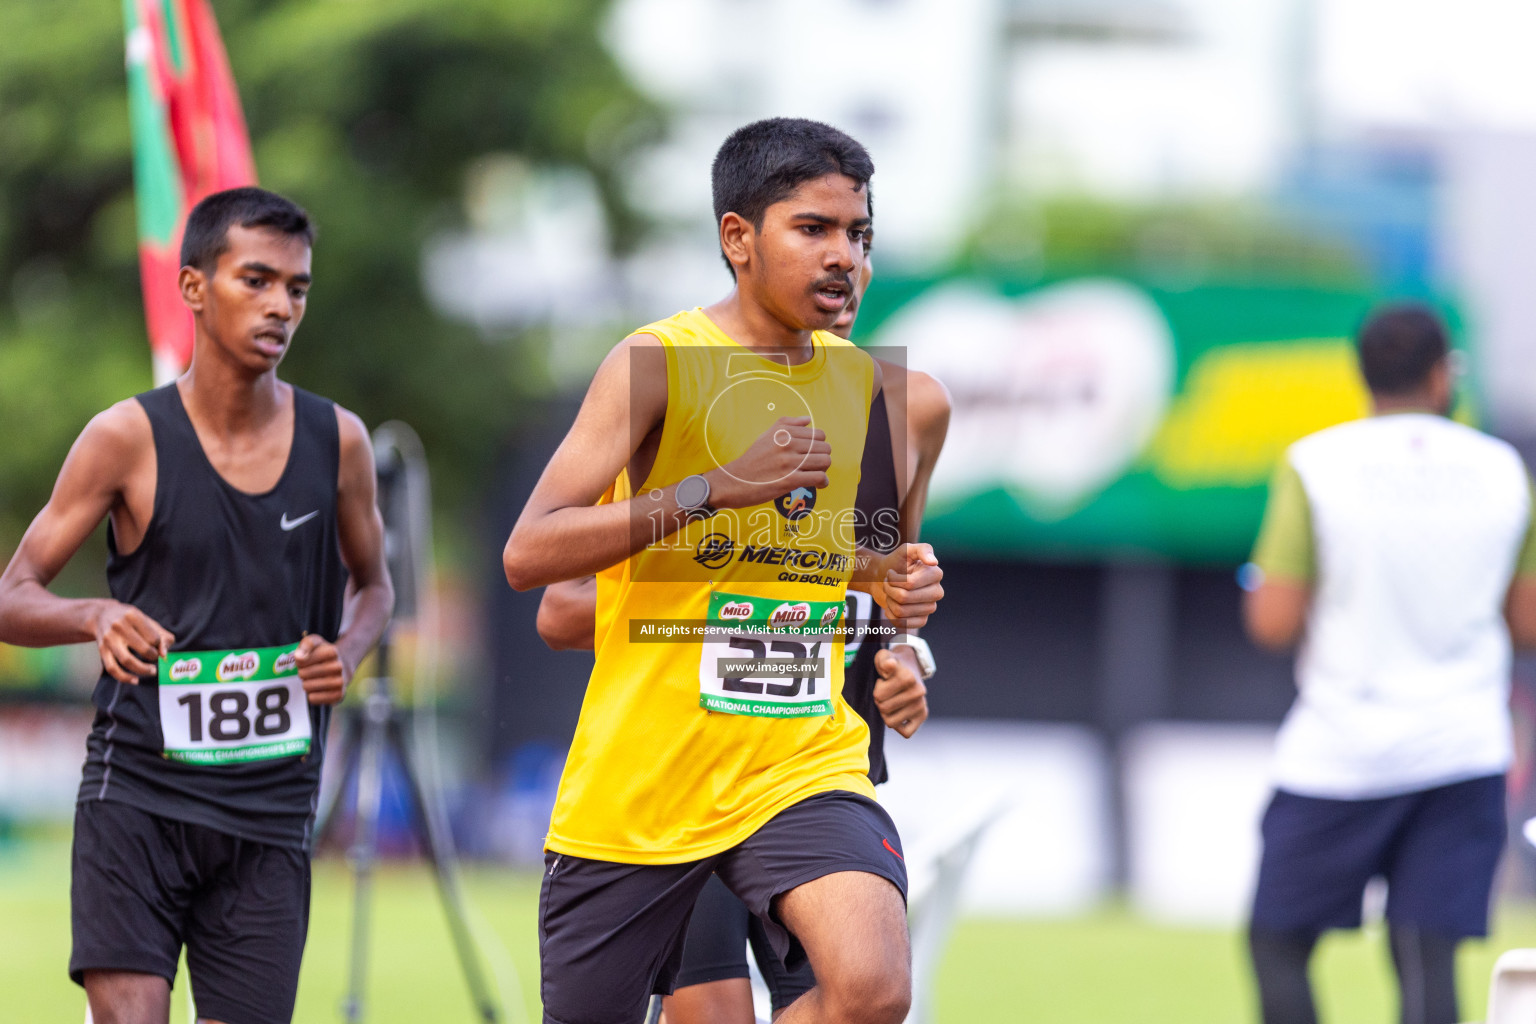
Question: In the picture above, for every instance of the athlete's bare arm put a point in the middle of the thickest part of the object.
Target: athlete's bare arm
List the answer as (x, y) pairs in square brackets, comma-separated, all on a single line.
[(900, 693), (1275, 614), (568, 615), (1520, 611), (928, 407), (325, 668), (561, 534), (906, 582), (568, 609), (110, 470)]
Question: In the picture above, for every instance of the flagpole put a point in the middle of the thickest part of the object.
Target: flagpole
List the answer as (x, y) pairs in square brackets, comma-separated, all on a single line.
[(166, 370), (189, 140)]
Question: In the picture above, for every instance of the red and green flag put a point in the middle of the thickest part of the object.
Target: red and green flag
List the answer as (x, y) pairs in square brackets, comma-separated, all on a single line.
[(189, 139)]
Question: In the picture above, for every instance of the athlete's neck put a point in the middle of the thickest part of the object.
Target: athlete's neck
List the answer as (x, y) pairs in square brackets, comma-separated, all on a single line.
[(1436, 394), (752, 325), (1418, 401), (228, 398)]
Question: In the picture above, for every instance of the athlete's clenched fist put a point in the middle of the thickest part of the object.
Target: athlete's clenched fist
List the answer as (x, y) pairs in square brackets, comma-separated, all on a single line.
[(900, 694), (321, 671), (911, 590), (129, 641), (789, 454)]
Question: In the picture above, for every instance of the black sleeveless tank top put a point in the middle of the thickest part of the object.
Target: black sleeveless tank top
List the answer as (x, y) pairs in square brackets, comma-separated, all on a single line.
[(223, 570), (877, 526)]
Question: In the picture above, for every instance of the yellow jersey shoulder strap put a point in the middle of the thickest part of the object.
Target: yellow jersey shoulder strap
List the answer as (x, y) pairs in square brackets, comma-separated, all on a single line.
[(688, 327)]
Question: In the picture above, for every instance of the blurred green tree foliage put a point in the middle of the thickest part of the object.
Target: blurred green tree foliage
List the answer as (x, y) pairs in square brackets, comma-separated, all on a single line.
[(367, 112), (1173, 244)]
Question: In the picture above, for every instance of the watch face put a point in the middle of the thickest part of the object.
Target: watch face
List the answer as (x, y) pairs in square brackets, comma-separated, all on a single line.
[(692, 492)]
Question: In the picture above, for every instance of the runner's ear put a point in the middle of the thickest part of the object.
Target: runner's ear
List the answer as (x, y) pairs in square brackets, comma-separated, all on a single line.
[(736, 235), (193, 284)]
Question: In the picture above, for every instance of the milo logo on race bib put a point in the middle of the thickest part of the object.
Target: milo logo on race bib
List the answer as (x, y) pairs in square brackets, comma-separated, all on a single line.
[(790, 615), (232, 707), (757, 658), (238, 666), (184, 669)]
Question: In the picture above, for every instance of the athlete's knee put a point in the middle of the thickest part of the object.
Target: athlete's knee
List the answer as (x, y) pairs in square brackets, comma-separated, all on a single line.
[(887, 1002), (124, 997), (868, 993), (115, 1013), (854, 926)]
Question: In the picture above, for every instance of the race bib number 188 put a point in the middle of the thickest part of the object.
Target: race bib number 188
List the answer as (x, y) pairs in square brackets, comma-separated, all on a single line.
[(768, 658), (229, 707)]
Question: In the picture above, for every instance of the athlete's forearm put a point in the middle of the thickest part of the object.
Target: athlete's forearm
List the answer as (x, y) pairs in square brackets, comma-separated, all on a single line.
[(33, 616), (568, 543), (871, 567), (561, 539), (1520, 612), (568, 615), (366, 612), (1275, 615)]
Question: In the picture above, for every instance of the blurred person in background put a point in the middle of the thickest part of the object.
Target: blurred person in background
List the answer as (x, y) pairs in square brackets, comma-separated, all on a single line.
[(1398, 551), (246, 558), (884, 681)]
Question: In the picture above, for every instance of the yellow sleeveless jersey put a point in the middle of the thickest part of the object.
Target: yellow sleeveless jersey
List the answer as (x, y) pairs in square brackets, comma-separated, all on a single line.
[(683, 750)]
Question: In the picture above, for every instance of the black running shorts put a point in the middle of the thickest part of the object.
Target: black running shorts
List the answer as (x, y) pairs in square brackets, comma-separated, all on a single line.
[(144, 885), (716, 948), (611, 935)]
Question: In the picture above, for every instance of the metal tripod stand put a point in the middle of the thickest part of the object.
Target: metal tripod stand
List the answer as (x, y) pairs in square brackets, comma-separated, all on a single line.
[(380, 727)]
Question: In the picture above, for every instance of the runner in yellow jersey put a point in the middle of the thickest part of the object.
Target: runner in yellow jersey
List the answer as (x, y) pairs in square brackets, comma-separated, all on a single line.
[(713, 737), (885, 684)]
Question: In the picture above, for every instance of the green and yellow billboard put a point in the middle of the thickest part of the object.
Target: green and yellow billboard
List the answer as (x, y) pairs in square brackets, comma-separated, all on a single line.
[(1096, 419)]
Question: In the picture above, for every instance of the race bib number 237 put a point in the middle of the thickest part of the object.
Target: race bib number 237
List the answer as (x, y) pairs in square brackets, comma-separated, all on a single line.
[(768, 658), (230, 707)]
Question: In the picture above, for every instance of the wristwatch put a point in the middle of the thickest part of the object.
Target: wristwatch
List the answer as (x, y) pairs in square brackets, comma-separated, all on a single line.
[(692, 495), (925, 662)]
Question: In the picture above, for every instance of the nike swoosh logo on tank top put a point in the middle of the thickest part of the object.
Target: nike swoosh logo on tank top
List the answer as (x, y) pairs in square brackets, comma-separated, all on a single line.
[(289, 524)]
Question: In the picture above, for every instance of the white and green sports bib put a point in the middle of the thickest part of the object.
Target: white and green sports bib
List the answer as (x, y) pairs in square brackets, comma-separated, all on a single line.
[(860, 617), (230, 707), (767, 657)]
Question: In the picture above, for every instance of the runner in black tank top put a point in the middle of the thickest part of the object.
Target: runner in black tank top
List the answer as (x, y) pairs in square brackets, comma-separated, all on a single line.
[(224, 571), (243, 532)]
